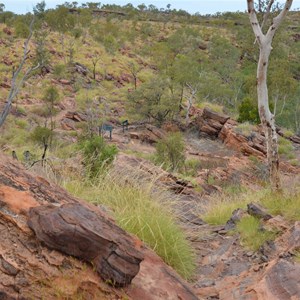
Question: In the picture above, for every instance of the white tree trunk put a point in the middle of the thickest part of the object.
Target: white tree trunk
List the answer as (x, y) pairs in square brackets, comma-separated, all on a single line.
[(266, 117), (17, 82)]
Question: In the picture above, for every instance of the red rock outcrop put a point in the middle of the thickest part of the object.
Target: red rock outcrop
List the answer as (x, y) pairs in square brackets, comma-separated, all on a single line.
[(210, 123), (76, 230), (241, 143), (148, 134), (30, 269)]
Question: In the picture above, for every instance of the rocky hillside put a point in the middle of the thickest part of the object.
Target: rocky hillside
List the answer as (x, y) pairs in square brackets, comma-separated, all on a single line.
[(75, 227), (44, 233)]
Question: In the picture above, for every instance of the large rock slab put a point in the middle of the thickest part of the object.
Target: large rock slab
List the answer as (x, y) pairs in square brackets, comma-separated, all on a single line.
[(78, 231), (209, 114), (280, 281)]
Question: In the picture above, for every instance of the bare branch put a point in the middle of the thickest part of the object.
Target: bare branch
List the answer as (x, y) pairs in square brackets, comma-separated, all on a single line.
[(17, 84), (267, 13), (278, 20)]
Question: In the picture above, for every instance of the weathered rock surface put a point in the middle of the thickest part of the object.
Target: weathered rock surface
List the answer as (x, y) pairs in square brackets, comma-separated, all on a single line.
[(280, 281), (76, 230), (148, 134), (215, 125), (210, 123), (76, 116), (258, 211), (31, 270), (236, 216), (247, 146)]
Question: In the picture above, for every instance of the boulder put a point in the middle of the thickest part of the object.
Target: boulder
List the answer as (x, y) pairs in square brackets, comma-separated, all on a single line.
[(65, 82), (209, 114), (295, 139), (81, 69), (151, 134), (236, 216), (76, 116), (256, 210), (76, 230), (210, 123), (67, 124)]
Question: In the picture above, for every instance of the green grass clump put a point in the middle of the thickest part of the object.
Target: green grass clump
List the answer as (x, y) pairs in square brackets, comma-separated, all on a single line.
[(142, 210), (288, 133), (192, 166), (287, 205), (245, 129), (213, 106), (252, 236), (285, 147), (220, 208)]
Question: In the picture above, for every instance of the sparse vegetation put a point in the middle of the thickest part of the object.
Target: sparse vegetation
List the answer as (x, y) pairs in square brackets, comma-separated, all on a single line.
[(220, 208), (285, 148), (158, 67), (142, 210), (252, 234)]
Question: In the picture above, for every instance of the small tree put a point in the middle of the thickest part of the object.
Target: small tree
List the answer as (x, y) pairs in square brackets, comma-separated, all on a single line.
[(51, 97), (267, 118), (95, 59), (42, 136), (134, 69)]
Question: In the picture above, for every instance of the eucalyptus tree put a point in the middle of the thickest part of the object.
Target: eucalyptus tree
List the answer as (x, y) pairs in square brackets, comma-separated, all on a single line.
[(264, 39), (20, 74)]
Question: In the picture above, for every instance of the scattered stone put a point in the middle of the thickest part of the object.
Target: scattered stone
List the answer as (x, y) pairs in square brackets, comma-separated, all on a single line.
[(65, 82), (256, 210), (250, 253), (236, 216), (81, 69)]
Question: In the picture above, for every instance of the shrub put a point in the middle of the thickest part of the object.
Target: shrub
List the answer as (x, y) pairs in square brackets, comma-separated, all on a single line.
[(21, 29), (287, 205), (170, 151), (213, 106), (97, 155), (248, 111), (220, 208), (60, 71)]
